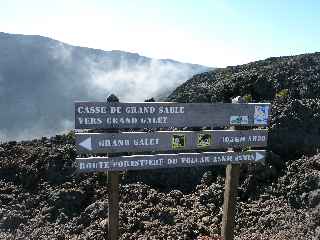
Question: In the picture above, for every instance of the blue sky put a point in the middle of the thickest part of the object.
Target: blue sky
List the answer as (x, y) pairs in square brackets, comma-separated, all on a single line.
[(210, 32)]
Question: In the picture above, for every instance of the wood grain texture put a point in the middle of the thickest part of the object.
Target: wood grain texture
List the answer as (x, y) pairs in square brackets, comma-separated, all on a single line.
[(113, 205)]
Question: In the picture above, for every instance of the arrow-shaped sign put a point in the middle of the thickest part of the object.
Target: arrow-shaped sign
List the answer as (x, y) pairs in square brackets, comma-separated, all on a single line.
[(86, 144), (141, 162), (169, 140), (259, 156)]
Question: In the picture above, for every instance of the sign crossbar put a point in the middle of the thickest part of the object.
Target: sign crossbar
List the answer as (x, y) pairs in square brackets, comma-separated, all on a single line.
[(157, 161), (106, 115), (169, 140)]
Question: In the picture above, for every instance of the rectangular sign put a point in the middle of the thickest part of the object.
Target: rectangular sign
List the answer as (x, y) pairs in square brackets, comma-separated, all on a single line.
[(141, 162), (169, 140), (104, 115)]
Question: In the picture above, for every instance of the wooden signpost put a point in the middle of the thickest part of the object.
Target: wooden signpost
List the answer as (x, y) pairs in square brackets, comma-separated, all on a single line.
[(143, 162), (169, 140), (155, 115), (103, 115)]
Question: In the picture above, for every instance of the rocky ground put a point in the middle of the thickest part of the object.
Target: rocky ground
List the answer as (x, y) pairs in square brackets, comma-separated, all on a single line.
[(291, 84), (41, 197)]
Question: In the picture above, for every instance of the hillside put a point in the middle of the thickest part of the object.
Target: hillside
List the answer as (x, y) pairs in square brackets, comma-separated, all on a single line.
[(40, 78), (262, 79), (291, 84), (41, 196)]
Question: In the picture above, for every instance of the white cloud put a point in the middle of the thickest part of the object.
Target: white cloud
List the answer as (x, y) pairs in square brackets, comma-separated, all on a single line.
[(137, 83), (61, 53), (3, 137)]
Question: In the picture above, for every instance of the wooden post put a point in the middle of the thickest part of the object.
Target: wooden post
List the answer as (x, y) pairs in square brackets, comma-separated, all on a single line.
[(229, 205), (113, 196), (230, 194), (113, 205)]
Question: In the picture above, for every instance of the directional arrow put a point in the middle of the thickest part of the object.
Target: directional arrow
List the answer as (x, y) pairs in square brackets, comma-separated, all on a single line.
[(86, 144), (142, 162), (162, 140), (259, 156)]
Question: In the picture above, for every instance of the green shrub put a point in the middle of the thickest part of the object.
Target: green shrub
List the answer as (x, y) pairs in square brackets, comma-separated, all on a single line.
[(247, 98), (282, 93)]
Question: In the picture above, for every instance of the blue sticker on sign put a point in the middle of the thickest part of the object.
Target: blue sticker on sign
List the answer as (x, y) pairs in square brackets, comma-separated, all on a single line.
[(261, 115), (239, 120)]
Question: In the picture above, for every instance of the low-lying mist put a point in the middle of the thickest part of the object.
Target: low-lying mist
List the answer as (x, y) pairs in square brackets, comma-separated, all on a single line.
[(40, 79)]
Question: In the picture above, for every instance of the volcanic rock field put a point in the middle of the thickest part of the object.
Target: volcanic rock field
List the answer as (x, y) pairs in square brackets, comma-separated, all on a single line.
[(43, 197)]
